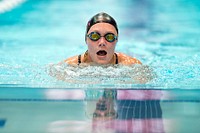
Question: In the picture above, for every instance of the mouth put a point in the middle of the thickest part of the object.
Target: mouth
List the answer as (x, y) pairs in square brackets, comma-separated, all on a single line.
[(101, 53)]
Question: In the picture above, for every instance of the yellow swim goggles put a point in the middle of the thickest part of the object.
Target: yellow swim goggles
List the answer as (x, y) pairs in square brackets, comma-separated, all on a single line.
[(94, 36)]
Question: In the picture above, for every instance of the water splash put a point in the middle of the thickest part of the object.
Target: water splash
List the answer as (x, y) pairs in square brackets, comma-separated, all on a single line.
[(105, 74), (161, 72)]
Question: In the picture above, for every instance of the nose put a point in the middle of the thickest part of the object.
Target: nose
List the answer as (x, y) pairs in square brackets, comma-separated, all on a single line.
[(102, 42)]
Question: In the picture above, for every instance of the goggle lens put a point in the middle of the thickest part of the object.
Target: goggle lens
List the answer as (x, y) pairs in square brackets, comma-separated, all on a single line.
[(110, 37), (94, 36)]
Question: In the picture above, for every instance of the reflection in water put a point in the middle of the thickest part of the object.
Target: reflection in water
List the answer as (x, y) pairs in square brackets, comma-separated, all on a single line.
[(104, 110), (105, 106), (128, 111)]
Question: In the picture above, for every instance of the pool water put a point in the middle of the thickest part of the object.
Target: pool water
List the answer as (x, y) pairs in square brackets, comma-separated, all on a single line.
[(36, 35)]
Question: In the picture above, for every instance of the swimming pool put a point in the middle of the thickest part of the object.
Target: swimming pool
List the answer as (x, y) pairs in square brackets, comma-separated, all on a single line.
[(36, 34)]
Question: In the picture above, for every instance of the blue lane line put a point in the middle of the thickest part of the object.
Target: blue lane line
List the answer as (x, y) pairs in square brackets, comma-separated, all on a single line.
[(81, 100), (2, 122), (40, 100)]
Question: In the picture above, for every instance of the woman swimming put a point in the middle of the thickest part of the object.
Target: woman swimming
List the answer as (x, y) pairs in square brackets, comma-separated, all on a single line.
[(101, 38)]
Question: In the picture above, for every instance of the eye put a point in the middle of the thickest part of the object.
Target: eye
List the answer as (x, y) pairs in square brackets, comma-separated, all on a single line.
[(95, 36), (110, 36)]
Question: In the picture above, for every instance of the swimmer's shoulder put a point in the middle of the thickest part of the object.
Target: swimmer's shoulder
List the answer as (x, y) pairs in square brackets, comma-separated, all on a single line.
[(72, 60), (127, 60)]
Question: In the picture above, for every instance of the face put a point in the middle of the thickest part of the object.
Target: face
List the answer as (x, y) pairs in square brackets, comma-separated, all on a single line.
[(101, 51)]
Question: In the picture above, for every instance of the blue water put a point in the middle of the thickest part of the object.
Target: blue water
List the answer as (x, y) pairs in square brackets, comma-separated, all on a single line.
[(36, 35)]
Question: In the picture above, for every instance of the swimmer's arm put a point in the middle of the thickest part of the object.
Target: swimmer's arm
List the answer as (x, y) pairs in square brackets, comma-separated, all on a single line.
[(143, 74), (135, 61), (127, 60), (57, 70), (71, 61)]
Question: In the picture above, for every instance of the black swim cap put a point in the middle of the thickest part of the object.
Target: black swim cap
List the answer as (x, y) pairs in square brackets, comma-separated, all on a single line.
[(101, 18)]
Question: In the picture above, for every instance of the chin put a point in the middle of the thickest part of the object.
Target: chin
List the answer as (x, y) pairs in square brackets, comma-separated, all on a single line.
[(102, 62)]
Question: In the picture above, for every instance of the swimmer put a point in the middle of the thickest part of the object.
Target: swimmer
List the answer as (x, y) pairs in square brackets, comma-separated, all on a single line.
[(101, 38)]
